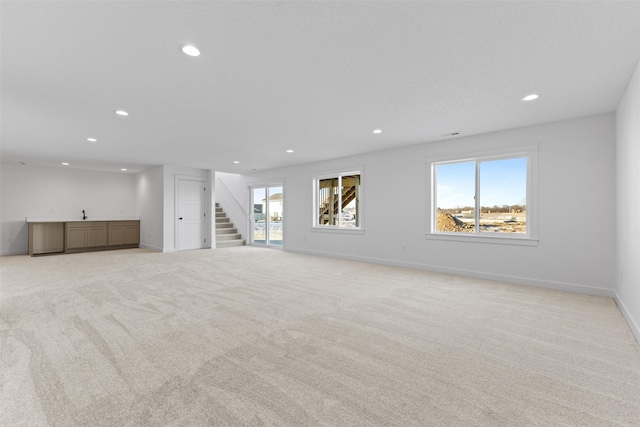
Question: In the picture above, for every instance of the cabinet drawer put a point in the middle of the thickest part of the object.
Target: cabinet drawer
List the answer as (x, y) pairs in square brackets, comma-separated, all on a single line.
[(85, 224)]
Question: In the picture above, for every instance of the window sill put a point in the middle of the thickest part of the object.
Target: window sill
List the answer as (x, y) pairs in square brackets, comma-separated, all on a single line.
[(343, 230), (473, 238)]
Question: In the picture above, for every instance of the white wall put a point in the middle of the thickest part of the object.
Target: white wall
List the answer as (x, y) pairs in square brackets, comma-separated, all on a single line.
[(575, 209), (149, 193), (62, 193), (628, 203), (57, 193)]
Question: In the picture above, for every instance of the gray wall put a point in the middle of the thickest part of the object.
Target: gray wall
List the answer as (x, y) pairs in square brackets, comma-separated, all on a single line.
[(58, 193), (62, 193), (628, 203), (149, 205), (576, 209)]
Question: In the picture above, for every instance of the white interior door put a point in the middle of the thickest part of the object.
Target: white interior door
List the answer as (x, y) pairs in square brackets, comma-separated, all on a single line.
[(191, 203)]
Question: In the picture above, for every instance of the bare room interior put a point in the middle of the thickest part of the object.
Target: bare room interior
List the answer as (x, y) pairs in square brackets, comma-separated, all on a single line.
[(305, 213)]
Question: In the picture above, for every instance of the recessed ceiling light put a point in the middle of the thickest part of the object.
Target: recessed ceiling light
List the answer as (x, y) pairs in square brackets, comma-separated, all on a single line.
[(123, 169), (377, 131), (191, 50), (236, 162), (92, 140), (121, 112), (65, 163), (289, 151), (531, 97)]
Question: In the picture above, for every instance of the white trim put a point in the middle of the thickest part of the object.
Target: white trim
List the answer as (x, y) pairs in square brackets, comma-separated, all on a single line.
[(206, 232), (330, 173), (336, 228), (261, 184), (14, 252), (516, 280), (530, 151), (153, 248), (506, 151), (633, 325)]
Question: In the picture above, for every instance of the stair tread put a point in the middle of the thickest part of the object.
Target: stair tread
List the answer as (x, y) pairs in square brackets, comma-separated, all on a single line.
[(235, 236), (229, 243), (226, 234), (227, 230)]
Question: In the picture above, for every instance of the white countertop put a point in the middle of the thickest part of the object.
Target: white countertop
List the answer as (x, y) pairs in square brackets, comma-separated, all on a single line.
[(79, 219)]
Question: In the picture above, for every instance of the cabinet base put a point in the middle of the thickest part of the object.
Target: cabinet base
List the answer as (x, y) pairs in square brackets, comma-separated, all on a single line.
[(99, 249)]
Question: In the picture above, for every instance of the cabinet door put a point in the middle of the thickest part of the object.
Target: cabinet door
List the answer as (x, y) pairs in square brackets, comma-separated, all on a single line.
[(116, 235), (77, 237), (97, 236), (132, 235)]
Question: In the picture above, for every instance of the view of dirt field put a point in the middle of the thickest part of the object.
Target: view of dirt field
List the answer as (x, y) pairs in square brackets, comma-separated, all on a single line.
[(489, 223)]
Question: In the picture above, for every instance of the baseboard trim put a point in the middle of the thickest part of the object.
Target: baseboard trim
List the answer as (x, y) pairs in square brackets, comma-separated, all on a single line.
[(633, 325), (153, 248), (15, 252), (547, 284)]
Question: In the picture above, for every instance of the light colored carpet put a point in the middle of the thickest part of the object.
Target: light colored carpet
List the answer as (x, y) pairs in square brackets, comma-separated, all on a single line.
[(247, 336)]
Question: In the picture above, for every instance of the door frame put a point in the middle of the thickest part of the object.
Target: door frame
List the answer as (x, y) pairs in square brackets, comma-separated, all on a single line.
[(265, 184), (206, 228)]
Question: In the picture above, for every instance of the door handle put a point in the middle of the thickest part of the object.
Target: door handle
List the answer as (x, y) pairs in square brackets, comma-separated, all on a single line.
[(180, 218)]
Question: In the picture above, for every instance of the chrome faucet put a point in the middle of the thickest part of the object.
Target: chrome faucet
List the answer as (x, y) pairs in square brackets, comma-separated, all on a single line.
[(83, 215)]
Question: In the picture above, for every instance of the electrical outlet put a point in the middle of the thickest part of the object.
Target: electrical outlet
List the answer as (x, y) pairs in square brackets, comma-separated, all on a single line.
[(404, 248)]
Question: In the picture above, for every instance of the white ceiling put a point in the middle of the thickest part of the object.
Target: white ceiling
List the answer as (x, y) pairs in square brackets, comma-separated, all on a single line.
[(315, 77)]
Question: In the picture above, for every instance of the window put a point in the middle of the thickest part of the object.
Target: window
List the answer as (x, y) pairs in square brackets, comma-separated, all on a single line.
[(484, 197), (337, 201)]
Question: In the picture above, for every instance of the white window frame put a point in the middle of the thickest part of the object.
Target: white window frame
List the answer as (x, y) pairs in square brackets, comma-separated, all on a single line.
[(316, 226), (530, 238)]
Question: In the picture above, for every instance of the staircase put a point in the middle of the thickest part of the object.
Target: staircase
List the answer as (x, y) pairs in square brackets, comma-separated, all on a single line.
[(348, 194), (226, 235)]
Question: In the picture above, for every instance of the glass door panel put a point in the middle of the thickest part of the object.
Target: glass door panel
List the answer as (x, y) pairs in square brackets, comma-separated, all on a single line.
[(259, 231), (274, 232), (267, 202)]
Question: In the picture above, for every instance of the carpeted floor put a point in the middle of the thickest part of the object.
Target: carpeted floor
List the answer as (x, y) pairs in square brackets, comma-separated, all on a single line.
[(247, 336)]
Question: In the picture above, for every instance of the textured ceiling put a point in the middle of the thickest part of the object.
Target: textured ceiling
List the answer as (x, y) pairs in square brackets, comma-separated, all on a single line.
[(315, 77)]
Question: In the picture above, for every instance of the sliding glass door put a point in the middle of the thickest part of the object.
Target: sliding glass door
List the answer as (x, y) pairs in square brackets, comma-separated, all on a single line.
[(267, 202)]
